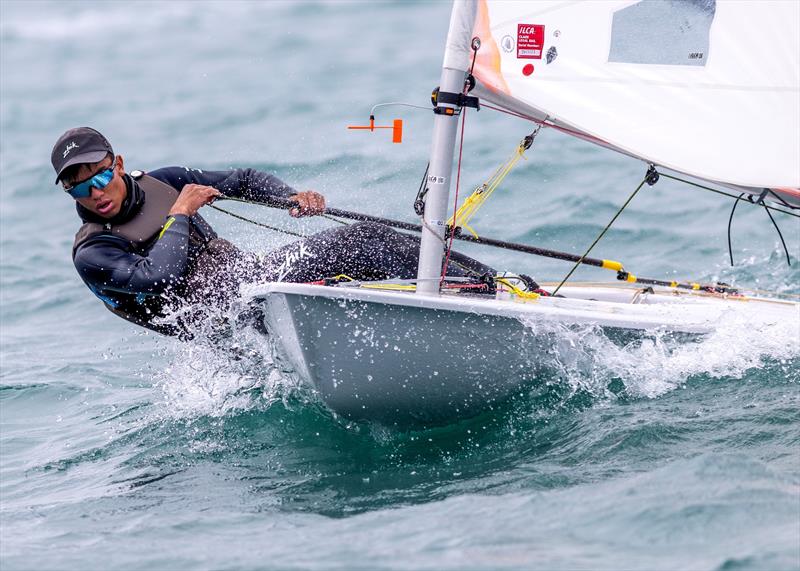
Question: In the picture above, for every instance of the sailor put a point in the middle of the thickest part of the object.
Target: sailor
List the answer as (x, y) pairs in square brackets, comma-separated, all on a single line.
[(144, 250)]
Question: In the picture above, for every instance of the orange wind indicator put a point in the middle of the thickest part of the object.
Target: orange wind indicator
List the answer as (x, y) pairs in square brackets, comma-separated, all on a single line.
[(396, 127)]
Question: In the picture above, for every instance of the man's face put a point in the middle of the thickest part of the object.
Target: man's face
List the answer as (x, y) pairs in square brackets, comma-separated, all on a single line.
[(108, 201)]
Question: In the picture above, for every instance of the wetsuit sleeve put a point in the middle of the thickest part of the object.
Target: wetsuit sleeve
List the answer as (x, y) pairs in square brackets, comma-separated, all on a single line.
[(105, 263), (249, 184)]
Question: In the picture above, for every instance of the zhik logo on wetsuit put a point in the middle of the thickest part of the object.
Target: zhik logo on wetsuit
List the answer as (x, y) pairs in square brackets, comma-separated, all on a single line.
[(72, 145), (292, 257)]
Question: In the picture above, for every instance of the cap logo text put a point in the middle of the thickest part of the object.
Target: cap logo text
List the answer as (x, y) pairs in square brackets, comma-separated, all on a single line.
[(72, 145)]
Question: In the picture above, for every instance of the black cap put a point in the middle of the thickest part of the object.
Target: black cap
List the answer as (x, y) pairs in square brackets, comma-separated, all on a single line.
[(79, 146)]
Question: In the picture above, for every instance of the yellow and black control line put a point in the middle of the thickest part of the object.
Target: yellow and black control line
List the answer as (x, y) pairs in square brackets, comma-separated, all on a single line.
[(624, 276)]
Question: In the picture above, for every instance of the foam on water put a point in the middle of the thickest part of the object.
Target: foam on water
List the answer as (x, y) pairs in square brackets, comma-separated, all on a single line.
[(221, 374), (655, 363)]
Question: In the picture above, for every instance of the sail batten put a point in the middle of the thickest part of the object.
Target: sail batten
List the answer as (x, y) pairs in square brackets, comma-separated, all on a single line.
[(708, 88)]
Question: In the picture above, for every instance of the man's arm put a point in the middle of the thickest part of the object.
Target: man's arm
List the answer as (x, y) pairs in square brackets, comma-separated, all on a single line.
[(106, 264), (249, 184)]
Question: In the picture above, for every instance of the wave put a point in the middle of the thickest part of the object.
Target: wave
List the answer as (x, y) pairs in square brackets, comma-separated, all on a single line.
[(59, 24), (654, 363), (223, 371)]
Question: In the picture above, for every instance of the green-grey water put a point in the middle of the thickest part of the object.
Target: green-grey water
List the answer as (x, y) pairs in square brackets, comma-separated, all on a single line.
[(125, 450)]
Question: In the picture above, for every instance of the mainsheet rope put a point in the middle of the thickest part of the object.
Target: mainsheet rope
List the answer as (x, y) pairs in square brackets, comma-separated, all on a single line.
[(251, 221)]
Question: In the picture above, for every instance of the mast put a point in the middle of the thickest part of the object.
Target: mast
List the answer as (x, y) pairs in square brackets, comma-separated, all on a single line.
[(454, 69)]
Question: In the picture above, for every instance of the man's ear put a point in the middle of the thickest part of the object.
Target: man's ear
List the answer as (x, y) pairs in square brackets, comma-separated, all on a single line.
[(121, 164)]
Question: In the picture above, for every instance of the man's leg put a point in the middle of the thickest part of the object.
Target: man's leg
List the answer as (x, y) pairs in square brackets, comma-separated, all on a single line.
[(364, 251)]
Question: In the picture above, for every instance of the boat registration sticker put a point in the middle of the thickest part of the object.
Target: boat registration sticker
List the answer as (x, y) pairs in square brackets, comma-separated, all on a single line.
[(530, 41)]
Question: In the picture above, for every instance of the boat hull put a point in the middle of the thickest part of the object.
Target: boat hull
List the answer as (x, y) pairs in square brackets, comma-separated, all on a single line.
[(401, 364), (401, 358)]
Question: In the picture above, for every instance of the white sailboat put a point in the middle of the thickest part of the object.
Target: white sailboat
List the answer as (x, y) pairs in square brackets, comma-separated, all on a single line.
[(683, 86)]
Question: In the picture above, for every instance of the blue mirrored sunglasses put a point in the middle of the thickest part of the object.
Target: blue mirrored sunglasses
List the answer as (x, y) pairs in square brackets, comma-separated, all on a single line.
[(98, 181)]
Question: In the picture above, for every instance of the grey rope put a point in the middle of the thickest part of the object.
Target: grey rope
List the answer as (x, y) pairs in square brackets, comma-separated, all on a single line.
[(732, 195)]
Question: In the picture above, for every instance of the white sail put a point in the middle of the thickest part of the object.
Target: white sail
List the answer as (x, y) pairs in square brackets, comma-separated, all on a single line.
[(709, 88)]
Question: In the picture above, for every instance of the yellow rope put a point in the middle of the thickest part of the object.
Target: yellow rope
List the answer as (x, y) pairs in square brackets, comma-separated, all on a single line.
[(471, 205), (394, 287), (399, 287), (527, 295), (521, 294), (530, 295)]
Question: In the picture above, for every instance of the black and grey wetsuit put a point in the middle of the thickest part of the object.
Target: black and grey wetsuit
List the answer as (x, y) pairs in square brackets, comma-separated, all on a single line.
[(143, 264)]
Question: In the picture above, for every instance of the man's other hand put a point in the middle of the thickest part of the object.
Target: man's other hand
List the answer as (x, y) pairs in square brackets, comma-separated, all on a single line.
[(310, 203), (192, 197)]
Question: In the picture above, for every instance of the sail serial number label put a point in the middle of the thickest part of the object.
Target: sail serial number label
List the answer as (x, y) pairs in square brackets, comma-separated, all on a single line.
[(530, 41)]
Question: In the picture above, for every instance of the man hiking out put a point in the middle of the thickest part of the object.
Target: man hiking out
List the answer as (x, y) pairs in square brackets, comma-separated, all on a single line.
[(144, 250)]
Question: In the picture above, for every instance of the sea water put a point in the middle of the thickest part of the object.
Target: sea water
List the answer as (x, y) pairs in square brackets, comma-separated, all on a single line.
[(124, 450)]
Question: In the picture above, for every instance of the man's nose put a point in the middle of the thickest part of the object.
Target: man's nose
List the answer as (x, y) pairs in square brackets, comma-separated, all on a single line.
[(97, 193)]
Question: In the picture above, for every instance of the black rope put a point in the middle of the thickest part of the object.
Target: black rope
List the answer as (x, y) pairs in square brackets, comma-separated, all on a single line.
[(730, 220), (779, 198), (285, 203), (261, 224), (733, 195), (475, 45), (419, 201), (788, 260)]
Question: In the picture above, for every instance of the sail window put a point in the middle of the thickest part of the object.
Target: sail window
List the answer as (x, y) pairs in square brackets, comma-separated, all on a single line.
[(673, 32)]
